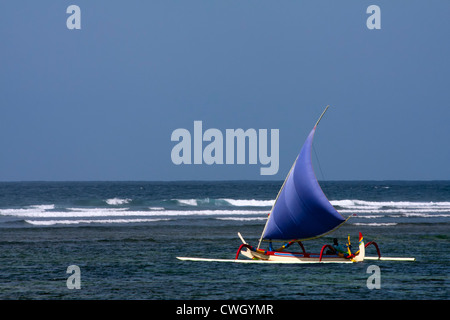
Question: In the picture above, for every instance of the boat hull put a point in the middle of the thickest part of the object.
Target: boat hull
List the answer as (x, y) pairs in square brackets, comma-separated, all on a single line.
[(255, 255), (294, 257), (247, 261), (280, 255)]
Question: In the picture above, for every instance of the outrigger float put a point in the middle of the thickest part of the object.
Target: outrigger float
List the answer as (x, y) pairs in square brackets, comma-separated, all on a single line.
[(301, 212)]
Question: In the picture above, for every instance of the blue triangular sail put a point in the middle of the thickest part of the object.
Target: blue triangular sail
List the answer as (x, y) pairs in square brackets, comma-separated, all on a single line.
[(302, 210)]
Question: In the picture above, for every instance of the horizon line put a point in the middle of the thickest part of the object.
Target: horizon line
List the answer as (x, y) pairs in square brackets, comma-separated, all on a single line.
[(231, 180)]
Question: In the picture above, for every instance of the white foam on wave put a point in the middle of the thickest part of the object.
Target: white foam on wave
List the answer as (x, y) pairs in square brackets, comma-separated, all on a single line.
[(369, 216), (42, 207), (369, 209), (97, 209), (419, 215), (29, 209), (250, 203), (69, 222), (243, 219), (362, 204), (424, 212), (375, 224), (187, 202), (117, 201), (121, 212), (235, 209), (224, 201), (345, 205)]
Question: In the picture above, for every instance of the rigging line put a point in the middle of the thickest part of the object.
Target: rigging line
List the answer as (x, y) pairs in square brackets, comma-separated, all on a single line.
[(318, 162)]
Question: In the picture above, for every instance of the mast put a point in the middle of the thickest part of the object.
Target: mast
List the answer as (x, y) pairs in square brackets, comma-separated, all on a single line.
[(320, 118), (279, 192)]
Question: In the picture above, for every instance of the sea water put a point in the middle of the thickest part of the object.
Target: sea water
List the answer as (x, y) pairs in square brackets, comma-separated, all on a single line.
[(125, 236)]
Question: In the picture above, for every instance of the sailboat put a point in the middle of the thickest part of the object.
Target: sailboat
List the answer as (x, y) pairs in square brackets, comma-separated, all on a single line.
[(301, 211)]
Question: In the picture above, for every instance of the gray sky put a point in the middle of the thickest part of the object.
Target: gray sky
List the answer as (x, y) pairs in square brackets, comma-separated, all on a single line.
[(101, 103)]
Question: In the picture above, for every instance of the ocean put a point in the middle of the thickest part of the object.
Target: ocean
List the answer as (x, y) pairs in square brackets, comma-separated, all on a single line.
[(124, 238)]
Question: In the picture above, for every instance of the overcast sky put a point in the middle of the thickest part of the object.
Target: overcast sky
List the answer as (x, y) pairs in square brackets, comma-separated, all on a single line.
[(101, 102)]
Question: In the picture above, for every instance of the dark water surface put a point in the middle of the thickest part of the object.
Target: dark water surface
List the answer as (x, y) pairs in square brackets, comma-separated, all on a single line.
[(125, 236)]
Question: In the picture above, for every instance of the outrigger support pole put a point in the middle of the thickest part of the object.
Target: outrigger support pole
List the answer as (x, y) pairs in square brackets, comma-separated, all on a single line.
[(376, 246)]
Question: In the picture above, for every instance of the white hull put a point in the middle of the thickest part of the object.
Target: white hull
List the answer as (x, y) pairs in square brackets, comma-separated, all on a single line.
[(289, 258), (258, 261), (292, 261)]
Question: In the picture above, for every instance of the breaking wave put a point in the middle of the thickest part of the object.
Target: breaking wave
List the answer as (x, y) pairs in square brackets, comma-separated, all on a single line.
[(243, 219), (126, 210), (117, 201), (103, 212), (225, 202), (101, 221), (250, 203), (375, 224), (392, 207)]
